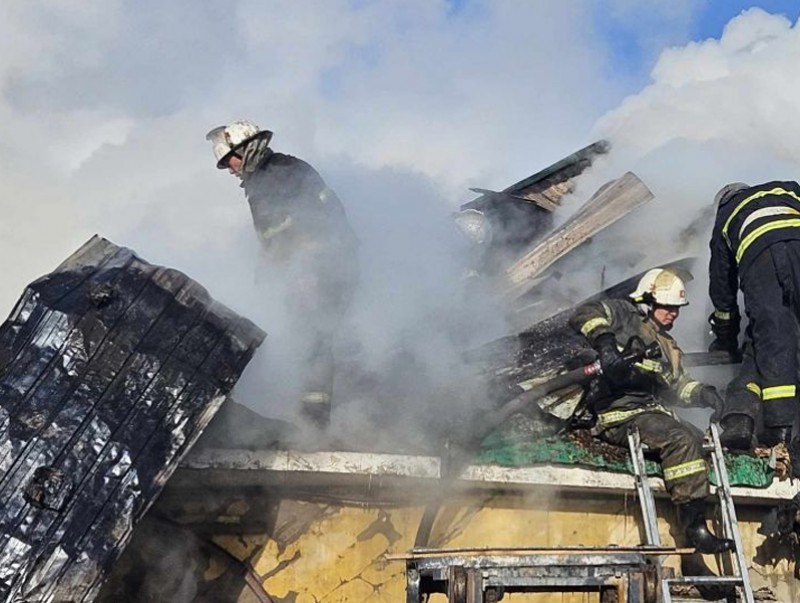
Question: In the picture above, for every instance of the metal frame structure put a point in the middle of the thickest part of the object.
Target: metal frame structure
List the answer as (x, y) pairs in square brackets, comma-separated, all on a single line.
[(618, 574)]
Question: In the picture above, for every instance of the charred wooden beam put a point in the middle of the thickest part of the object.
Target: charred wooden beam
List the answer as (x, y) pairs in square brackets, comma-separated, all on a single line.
[(547, 186), (110, 368)]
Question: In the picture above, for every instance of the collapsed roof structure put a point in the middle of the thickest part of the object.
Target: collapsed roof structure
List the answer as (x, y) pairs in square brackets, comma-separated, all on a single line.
[(114, 367)]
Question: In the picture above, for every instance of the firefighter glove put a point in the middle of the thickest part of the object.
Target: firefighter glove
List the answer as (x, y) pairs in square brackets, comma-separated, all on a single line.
[(616, 369), (708, 396), (725, 328)]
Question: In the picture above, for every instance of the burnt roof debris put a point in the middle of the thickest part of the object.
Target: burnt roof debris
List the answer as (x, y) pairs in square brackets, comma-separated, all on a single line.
[(111, 367), (546, 187), (523, 212)]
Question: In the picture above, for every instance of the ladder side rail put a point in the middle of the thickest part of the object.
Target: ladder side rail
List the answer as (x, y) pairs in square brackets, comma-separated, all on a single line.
[(646, 500), (730, 522)]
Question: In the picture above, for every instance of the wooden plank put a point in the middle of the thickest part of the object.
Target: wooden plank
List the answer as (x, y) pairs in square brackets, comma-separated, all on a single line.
[(111, 369), (606, 206)]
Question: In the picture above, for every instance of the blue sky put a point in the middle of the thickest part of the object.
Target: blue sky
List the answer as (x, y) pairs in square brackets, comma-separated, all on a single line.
[(636, 33)]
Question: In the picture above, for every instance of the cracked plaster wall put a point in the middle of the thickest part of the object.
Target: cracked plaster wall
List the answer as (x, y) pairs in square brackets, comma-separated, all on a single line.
[(330, 553)]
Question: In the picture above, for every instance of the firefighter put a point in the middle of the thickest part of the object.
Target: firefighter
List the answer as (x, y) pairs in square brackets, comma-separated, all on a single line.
[(305, 236), (755, 246), (636, 395)]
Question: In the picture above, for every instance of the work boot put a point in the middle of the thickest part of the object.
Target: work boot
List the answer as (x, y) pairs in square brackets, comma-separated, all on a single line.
[(776, 435), (692, 516), (737, 432), (695, 565)]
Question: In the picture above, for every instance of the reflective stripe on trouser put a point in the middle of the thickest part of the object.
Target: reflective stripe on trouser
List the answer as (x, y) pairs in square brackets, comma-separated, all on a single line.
[(771, 287), (679, 447), (316, 407), (322, 398)]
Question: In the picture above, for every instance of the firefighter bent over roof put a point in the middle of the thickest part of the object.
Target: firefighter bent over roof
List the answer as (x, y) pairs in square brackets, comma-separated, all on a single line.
[(628, 395), (755, 245), (305, 238)]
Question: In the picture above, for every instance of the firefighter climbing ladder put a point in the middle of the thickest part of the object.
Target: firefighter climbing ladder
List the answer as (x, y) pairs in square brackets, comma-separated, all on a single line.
[(730, 525)]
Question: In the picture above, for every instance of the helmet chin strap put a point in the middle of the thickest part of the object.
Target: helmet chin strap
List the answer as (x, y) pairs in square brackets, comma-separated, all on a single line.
[(254, 154)]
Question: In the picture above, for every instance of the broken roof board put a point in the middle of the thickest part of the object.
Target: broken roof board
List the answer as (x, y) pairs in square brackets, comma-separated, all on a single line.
[(111, 368), (551, 183), (523, 212)]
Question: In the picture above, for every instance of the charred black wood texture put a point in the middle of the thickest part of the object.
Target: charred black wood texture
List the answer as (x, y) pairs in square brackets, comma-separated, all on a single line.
[(110, 368)]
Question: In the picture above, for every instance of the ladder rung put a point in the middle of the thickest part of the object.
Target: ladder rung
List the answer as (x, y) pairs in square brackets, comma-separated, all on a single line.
[(705, 580), (730, 524)]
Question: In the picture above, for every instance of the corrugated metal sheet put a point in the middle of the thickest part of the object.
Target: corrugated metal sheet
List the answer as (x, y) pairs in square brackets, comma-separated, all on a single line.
[(111, 367)]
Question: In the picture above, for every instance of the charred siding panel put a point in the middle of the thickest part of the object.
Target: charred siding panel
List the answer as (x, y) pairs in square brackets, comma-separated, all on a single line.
[(111, 368)]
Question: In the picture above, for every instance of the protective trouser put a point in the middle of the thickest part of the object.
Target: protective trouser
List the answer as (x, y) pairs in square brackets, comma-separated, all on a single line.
[(679, 446), (743, 394), (319, 309), (771, 285)]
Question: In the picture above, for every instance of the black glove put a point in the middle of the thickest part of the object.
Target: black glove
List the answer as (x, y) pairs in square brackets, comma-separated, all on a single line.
[(726, 332), (707, 396), (616, 369)]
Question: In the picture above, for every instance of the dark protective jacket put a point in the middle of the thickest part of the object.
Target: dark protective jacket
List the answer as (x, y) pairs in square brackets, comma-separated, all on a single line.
[(294, 211), (306, 240), (670, 382), (747, 223)]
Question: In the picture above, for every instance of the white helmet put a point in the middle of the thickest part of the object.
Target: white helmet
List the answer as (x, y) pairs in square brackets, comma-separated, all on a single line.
[(727, 191), (474, 225), (227, 139), (660, 286)]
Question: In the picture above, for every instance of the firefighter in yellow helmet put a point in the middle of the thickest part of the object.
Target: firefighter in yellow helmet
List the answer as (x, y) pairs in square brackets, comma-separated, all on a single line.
[(640, 394), (304, 232)]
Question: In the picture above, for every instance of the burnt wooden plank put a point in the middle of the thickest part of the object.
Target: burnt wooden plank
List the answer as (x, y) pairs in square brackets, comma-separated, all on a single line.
[(607, 205), (111, 369)]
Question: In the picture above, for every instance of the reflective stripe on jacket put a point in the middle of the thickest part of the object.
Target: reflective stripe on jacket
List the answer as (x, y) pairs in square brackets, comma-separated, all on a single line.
[(746, 224)]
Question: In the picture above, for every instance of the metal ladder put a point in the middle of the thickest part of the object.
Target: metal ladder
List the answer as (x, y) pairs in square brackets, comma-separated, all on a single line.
[(730, 526)]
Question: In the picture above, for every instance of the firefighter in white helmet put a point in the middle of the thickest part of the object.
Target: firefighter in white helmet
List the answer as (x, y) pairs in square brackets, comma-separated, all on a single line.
[(304, 233), (639, 394)]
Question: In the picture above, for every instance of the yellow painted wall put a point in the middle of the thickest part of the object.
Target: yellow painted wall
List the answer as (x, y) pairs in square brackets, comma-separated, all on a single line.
[(336, 553)]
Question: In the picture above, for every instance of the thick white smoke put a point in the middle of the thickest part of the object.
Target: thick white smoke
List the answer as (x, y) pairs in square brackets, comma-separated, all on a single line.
[(401, 106), (717, 111), (107, 110)]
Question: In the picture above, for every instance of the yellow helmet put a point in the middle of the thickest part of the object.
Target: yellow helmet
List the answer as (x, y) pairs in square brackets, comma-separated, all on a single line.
[(660, 286)]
